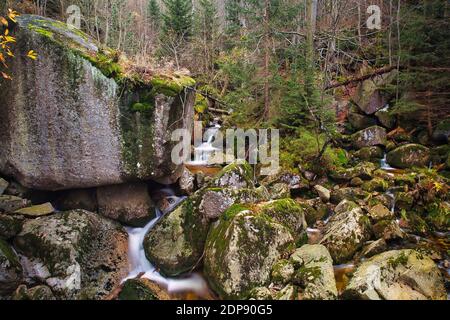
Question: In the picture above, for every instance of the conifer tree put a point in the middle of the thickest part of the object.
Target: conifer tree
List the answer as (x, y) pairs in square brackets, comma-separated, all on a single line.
[(154, 14), (178, 18)]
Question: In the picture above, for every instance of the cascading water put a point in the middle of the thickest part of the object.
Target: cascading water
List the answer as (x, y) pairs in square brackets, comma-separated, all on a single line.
[(203, 152), (139, 265), (384, 164)]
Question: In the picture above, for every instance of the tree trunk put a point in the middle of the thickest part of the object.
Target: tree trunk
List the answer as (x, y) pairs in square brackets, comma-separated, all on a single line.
[(266, 60)]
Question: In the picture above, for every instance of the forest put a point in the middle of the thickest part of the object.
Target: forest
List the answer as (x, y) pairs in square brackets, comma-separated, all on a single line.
[(92, 205)]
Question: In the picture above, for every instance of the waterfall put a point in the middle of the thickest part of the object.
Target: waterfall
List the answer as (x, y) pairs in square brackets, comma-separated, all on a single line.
[(384, 164), (140, 265), (203, 152)]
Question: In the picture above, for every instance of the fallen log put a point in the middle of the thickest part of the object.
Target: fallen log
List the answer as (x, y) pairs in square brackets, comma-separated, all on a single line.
[(361, 78)]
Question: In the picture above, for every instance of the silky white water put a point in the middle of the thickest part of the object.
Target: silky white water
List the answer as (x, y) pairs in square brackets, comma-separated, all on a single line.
[(203, 152), (140, 265), (384, 164)]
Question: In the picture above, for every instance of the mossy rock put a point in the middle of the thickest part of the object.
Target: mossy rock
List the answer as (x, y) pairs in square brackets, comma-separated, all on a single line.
[(69, 247), (135, 289), (352, 194), (286, 212), (346, 232), (171, 86), (282, 272), (386, 119), (10, 225), (372, 136), (11, 273), (376, 184), (12, 203), (240, 251), (397, 275), (363, 170), (314, 273), (359, 121), (176, 243), (236, 175), (369, 153), (408, 156)]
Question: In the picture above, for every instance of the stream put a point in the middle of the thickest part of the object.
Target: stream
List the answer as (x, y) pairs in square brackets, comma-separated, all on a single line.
[(139, 265)]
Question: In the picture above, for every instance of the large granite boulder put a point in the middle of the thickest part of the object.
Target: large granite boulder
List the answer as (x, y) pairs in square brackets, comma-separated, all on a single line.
[(370, 96), (314, 273), (78, 254), (408, 156), (346, 231), (67, 122), (241, 249), (397, 275), (175, 244), (128, 203), (372, 136)]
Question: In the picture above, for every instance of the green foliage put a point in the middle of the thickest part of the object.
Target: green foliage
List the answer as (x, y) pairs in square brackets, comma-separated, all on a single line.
[(303, 150), (154, 13), (178, 18)]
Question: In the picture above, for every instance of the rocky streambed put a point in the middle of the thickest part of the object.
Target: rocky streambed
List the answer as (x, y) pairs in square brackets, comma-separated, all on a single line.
[(91, 207)]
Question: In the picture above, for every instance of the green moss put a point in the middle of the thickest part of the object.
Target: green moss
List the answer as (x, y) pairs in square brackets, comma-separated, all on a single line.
[(9, 254), (142, 106), (402, 259), (201, 103), (135, 289), (234, 210), (170, 86)]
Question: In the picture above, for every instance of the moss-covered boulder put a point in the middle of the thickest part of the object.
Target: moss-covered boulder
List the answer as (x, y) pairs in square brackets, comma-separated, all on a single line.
[(286, 212), (78, 254), (372, 136), (10, 225), (376, 184), (379, 212), (12, 203), (34, 294), (175, 244), (408, 156), (136, 289), (11, 273), (72, 118), (314, 273), (369, 153), (282, 272), (351, 194), (388, 229), (128, 203), (236, 175), (397, 275), (241, 249), (386, 119), (363, 170), (346, 231), (370, 96), (359, 121)]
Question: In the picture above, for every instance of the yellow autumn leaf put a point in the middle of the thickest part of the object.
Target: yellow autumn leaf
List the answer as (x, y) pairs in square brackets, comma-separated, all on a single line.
[(3, 21), (6, 32), (12, 15), (32, 55)]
